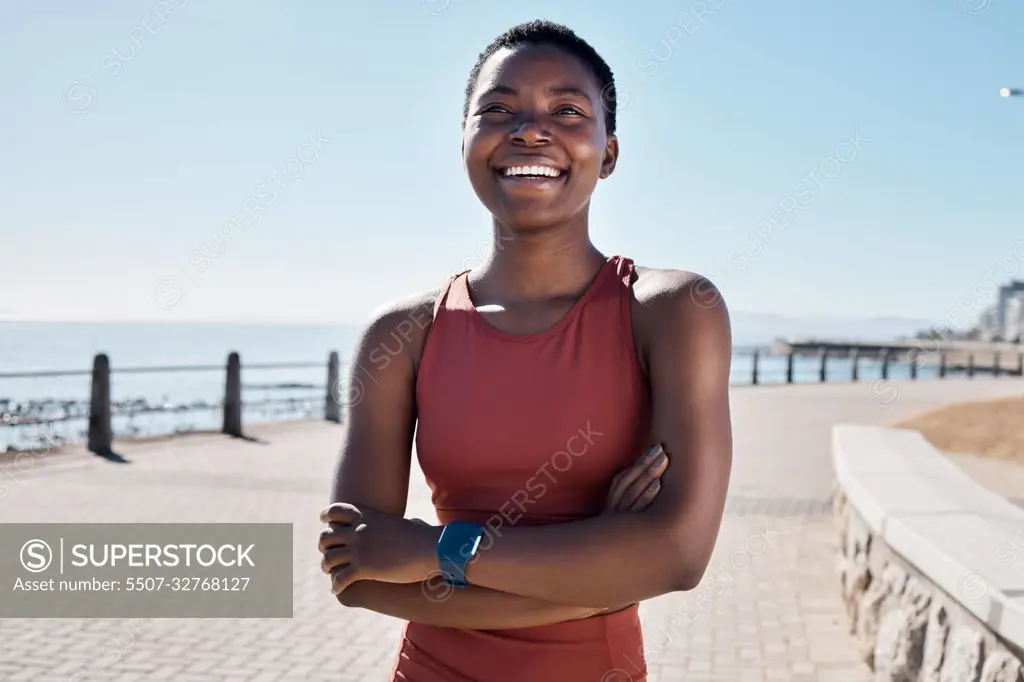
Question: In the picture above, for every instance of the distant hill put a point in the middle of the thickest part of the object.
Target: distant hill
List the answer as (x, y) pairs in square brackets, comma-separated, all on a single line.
[(748, 329), (757, 329)]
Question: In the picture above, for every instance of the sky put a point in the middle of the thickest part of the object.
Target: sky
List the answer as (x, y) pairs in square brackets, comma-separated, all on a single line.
[(850, 159)]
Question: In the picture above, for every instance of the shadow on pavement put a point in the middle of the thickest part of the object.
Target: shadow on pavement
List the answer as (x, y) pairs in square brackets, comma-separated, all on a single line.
[(251, 439), (112, 456)]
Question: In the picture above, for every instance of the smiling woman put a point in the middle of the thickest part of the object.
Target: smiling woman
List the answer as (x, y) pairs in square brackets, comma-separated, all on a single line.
[(570, 411), (538, 126)]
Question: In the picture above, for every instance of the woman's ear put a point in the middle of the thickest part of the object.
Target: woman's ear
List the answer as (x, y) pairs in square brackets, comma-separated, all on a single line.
[(611, 157)]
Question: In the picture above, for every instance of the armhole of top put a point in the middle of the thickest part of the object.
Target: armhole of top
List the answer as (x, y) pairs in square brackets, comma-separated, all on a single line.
[(439, 302), (442, 298), (628, 279)]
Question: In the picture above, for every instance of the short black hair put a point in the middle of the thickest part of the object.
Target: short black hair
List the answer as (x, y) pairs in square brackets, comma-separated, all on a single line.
[(540, 32)]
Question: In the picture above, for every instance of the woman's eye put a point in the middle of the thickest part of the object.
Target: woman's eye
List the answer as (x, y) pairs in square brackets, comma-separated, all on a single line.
[(569, 110), (495, 109)]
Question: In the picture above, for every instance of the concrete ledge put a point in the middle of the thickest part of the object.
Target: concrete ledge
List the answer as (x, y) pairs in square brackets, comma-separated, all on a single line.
[(932, 564)]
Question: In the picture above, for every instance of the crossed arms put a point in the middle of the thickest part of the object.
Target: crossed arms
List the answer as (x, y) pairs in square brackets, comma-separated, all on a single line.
[(547, 574)]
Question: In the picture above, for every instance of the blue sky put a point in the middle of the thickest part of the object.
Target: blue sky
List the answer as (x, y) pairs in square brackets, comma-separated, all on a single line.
[(133, 131)]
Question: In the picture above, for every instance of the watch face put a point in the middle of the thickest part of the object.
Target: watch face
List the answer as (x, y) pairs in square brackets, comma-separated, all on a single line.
[(455, 549), (469, 549)]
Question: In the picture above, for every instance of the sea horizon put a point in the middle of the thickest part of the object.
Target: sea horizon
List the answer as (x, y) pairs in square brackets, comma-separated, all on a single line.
[(749, 330), (156, 403)]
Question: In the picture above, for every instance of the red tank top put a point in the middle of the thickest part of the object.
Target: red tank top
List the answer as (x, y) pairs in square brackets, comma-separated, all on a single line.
[(530, 429)]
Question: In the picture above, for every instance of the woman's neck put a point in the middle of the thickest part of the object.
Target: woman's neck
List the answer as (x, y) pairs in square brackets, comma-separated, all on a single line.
[(539, 264)]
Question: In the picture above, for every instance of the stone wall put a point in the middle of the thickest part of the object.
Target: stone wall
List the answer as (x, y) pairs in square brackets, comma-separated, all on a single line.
[(907, 628)]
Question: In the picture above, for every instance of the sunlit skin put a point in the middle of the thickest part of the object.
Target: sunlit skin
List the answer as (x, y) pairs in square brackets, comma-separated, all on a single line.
[(536, 104)]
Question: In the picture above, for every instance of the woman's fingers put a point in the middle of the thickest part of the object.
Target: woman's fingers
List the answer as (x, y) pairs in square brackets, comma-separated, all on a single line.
[(338, 557), (614, 495), (647, 477), (618, 499), (336, 537), (614, 492), (342, 513), (647, 496), (341, 578), (338, 543)]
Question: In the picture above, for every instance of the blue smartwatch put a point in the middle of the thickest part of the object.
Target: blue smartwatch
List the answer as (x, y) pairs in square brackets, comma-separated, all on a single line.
[(456, 548)]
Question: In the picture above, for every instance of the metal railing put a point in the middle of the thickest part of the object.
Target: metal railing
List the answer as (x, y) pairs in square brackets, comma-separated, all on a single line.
[(100, 433), (909, 362), (765, 368)]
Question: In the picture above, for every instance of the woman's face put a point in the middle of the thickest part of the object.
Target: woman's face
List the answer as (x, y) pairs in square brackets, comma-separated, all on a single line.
[(535, 141)]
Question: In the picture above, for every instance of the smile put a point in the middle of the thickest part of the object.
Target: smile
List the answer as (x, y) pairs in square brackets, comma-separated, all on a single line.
[(531, 178), (531, 172)]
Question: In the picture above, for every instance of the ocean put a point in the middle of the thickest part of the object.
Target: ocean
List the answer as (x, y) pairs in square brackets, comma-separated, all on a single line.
[(34, 409)]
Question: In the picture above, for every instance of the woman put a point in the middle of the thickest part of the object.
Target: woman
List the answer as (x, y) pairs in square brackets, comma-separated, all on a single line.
[(543, 387)]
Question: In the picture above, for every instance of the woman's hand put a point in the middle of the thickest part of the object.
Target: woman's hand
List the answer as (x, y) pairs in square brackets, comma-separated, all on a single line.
[(366, 544), (635, 488)]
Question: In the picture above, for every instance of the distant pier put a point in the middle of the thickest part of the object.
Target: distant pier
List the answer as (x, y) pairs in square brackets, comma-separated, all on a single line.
[(952, 356)]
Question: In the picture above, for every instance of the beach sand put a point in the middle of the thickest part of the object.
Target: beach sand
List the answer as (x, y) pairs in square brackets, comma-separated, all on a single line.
[(984, 438)]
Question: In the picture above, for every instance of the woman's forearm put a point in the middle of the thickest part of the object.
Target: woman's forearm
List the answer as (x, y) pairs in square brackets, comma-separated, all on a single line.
[(470, 608), (600, 562)]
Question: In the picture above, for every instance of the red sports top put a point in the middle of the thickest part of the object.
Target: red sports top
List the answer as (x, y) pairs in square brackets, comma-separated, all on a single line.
[(529, 429)]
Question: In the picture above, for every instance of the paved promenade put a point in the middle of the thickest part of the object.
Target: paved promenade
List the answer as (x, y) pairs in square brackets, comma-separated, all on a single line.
[(769, 608)]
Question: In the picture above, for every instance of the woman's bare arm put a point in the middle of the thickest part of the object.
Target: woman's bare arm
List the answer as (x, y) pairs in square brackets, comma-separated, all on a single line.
[(470, 608), (625, 558), (431, 602), (373, 471)]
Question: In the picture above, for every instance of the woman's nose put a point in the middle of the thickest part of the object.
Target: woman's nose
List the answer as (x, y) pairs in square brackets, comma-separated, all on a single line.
[(530, 132)]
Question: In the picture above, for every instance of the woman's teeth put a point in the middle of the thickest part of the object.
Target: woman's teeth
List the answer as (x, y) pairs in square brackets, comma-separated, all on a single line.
[(528, 171)]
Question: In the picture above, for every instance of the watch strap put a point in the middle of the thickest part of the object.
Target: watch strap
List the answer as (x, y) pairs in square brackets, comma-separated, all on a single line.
[(455, 549)]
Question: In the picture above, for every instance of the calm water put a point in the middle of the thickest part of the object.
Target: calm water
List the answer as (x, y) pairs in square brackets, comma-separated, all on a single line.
[(26, 347), (191, 400)]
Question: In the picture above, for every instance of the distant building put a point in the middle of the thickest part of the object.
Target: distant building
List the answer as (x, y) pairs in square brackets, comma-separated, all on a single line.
[(1002, 321), (1014, 328), (1005, 318)]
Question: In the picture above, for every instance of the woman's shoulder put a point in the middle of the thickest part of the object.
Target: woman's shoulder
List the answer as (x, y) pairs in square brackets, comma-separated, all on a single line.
[(668, 301), (668, 287), (399, 328), (412, 308)]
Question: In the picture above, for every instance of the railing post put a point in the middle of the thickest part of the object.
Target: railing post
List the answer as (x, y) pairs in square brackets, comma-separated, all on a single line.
[(233, 397), (855, 357), (753, 377), (100, 434), (995, 364), (885, 364), (789, 368), (912, 358), (942, 365), (970, 365), (822, 371), (332, 408)]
